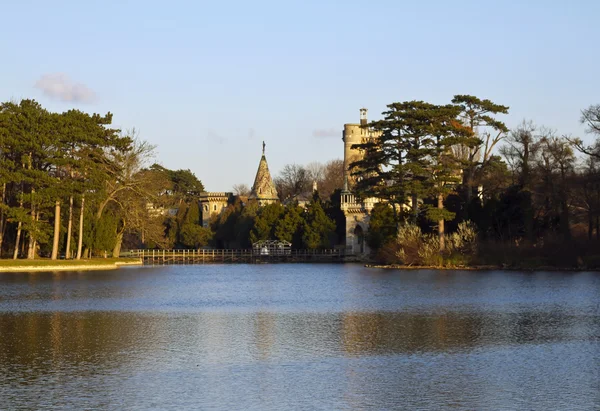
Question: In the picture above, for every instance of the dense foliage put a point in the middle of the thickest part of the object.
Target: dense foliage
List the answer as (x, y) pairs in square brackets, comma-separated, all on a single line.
[(457, 186), (72, 185), (434, 165)]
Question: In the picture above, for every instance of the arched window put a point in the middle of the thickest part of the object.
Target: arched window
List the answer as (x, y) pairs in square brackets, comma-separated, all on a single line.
[(215, 207)]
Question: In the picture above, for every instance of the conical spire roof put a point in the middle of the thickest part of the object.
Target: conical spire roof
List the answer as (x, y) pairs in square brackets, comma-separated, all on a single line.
[(263, 188)]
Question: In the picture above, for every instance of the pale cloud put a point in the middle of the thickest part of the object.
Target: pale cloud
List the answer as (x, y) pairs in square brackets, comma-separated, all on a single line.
[(323, 133), (60, 87), (214, 136)]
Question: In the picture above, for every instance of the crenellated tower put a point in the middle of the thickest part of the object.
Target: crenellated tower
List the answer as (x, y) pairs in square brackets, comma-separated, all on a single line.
[(355, 134)]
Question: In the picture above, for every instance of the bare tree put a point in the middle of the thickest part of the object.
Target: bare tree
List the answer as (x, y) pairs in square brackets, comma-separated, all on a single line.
[(591, 117), (292, 180), (333, 178), (241, 189), (520, 150), (315, 172)]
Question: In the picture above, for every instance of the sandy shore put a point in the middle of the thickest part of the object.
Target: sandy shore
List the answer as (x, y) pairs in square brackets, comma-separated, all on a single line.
[(69, 267)]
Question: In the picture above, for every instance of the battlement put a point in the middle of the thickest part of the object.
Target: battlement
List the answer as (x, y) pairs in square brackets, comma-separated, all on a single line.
[(215, 195)]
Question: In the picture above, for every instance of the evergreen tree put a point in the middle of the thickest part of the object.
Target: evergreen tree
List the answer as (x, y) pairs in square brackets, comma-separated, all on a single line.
[(288, 227), (318, 229), (266, 222)]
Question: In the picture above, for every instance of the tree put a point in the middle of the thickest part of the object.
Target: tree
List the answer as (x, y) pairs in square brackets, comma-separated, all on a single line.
[(477, 115), (315, 172), (318, 228), (288, 227), (333, 178), (382, 226), (395, 163), (192, 234), (265, 222), (445, 168), (292, 180), (557, 163), (241, 190), (520, 151), (591, 117)]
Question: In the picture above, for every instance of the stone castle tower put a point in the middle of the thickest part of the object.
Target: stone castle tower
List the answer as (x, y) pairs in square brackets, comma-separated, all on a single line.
[(263, 189), (356, 212), (355, 134)]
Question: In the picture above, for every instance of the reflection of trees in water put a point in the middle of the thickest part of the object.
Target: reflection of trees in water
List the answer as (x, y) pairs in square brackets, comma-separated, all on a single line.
[(381, 333), (43, 342), (386, 332), (99, 341)]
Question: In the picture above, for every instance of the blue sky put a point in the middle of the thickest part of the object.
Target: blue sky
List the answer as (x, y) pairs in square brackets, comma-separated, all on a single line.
[(208, 81)]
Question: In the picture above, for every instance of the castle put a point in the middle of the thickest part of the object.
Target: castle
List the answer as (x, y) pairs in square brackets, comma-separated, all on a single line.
[(263, 192), (357, 213)]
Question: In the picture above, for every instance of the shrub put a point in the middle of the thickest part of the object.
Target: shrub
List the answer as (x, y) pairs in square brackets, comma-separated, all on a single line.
[(412, 247)]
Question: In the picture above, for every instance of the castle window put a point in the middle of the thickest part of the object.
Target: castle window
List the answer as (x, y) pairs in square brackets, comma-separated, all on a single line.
[(205, 207), (215, 207)]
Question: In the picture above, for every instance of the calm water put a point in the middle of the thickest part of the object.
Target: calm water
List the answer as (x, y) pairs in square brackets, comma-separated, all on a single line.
[(308, 337)]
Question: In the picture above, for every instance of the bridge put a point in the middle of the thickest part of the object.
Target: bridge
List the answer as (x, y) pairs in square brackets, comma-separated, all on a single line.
[(247, 256)]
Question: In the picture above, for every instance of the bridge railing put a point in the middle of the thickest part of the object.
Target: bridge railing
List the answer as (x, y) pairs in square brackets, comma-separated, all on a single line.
[(212, 253)]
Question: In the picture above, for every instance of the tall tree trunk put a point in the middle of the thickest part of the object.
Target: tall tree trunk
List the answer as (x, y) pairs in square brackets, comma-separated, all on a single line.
[(80, 237), (2, 232), (2, 217), (468, 181), (590, 224), (34, 218), (415, 208), (56, 230), (69, 230), (17, 241), (19, 230), (119, 241), (32, 243), (441, 228)]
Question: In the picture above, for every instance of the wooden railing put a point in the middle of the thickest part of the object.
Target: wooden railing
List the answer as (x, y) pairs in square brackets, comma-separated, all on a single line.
[(194, 256)]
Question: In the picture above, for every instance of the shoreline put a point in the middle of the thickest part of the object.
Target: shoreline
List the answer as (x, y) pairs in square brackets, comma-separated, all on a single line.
[(111, 265), (479, 268)]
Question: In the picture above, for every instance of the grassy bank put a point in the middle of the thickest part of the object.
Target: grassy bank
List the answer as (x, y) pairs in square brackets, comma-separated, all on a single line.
[(43, 264)]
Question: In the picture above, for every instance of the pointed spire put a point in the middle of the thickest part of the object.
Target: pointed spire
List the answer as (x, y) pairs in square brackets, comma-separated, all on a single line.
[(263, 188)]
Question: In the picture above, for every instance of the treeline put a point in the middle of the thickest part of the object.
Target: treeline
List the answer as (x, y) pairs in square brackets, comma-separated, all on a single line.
[(316, 225), (524, 192), (74, 187)]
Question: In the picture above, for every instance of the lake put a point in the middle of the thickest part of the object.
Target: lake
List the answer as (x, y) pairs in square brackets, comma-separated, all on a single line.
[(301, 337)]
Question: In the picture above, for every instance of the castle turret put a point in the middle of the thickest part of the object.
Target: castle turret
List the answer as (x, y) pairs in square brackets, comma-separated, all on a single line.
[(355, 134), (263, 189)]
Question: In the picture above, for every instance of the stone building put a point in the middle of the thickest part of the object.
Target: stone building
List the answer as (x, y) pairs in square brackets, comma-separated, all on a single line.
[(263, 191), (356, 133), (213, 203), (356, 213)]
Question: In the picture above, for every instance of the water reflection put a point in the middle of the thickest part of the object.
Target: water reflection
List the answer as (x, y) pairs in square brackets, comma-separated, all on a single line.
[(426, 345)]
